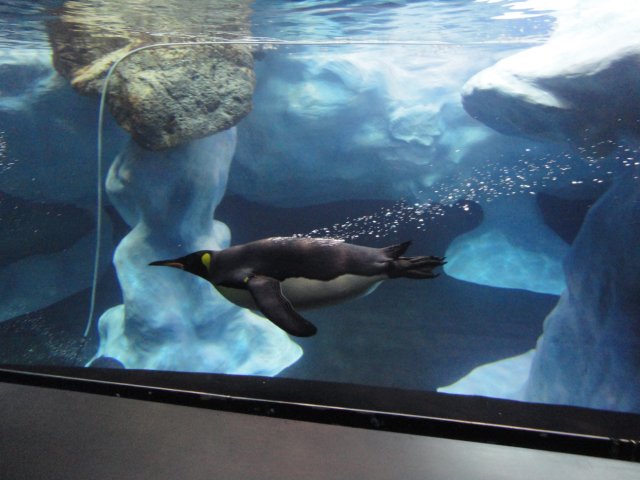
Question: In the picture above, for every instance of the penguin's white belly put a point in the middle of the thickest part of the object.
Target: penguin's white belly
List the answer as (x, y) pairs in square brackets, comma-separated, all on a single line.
[(308, 293)]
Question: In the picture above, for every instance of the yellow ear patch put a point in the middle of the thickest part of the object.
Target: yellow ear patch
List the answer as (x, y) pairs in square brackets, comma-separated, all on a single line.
[(206, 260)]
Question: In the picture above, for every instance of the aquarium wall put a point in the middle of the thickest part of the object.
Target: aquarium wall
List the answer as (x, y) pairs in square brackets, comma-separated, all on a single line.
[(500, 138)]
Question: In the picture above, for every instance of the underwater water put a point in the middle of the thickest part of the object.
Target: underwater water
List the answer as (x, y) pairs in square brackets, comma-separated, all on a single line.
[(501, 135)]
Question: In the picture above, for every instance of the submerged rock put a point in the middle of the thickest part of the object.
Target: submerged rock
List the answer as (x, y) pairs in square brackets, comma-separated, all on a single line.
[(162, 96)]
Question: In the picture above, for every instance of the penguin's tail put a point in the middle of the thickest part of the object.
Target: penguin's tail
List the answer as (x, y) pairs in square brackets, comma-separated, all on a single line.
[(415, 267), (394, 251)]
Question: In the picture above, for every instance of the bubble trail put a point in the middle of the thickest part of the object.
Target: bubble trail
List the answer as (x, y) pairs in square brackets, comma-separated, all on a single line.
[(528, 174)]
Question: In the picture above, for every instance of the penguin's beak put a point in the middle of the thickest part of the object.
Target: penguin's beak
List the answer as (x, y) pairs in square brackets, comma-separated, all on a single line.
[(168, 263)]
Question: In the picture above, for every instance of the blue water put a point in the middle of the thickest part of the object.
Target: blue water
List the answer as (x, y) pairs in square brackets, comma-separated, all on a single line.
[(372, 122), (457, 22)]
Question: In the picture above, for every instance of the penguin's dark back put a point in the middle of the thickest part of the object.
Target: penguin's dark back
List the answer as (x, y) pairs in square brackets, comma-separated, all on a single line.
[(285, 257)]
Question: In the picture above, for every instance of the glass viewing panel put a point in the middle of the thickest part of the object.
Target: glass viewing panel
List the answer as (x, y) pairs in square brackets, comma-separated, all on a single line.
[(500, 139)]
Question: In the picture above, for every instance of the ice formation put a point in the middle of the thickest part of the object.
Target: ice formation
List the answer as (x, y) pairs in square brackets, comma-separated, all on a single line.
[(569, 89), (590, 348), (171, 320), (502, 379), (511, 249), (354, 123), (589, 352), (565, 90)]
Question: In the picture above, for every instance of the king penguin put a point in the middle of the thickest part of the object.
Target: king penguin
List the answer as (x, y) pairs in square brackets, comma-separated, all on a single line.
[(279, 275)]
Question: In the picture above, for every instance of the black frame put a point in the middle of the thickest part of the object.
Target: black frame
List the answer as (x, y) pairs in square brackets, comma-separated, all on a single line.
[(555, 428)]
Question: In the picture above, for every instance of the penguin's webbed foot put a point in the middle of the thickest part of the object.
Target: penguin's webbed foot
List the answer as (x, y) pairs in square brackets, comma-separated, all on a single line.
[(415, 267)]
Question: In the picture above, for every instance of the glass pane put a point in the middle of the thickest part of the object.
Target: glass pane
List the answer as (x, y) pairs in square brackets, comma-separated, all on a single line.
[(498, 137)]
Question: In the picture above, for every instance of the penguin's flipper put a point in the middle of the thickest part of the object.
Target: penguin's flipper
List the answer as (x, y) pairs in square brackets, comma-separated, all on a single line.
[(267, 294)]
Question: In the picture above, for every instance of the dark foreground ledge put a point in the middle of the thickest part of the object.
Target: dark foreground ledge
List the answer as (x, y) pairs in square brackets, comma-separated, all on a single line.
[(477, 419)]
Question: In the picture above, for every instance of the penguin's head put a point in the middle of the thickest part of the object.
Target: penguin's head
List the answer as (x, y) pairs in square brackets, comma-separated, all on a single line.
[(197, 263)]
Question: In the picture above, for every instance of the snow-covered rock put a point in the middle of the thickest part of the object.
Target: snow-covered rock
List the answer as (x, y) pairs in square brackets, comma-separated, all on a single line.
[(581, 86)]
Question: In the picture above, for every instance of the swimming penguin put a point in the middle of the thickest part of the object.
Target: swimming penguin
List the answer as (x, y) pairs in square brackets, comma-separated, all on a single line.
[(281, 274)]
